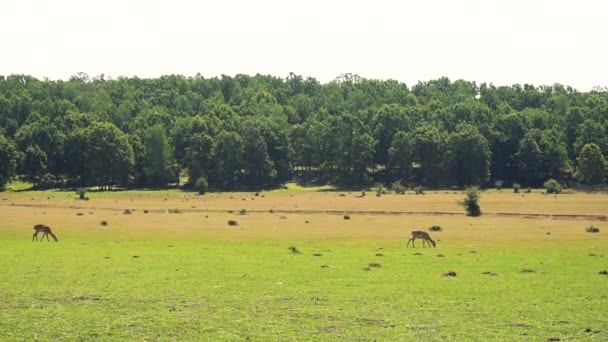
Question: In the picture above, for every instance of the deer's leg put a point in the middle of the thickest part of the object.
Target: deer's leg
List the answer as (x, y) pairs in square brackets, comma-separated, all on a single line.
[(35, 236), (47, 237), (408, 242)]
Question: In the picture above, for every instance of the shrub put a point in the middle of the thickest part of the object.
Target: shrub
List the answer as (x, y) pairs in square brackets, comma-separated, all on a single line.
[(471, 202), (127, 212), (592, 229), (419, 190), (552, 186), (201, 185), (104, 223), (379, 189), (82, 193), (528, 190), (435, 228), (398, 187), (243, 211), (294, 249), (498, 184), (516, 187), (346, 217), (174, 211), (232, 223)]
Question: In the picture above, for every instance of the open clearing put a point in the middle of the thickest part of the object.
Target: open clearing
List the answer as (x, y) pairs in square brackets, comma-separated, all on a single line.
[(173, 269)]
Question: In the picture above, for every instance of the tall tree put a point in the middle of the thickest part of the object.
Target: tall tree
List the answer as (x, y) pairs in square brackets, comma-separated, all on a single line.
[(159, 166), (109, 155), (468, 156), (592, 167), (8, 161)]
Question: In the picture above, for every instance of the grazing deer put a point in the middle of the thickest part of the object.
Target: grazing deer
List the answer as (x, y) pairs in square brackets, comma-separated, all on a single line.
[(46, 231), (418, 234)]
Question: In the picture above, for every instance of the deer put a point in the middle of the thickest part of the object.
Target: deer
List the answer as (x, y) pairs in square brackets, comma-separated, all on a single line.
[(418, 234), (45, 230)]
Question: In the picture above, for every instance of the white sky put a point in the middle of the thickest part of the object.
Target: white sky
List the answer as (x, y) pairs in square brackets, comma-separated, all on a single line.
[(504, 42)]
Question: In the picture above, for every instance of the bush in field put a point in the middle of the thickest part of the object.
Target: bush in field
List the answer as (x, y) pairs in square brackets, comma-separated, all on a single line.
[(82, 192), (552, 186), (398, 187), (201, 185), (528, 190), (232, 223), (516, 187), (471, 202), (379, 189), (498, 184), (419, 190), (592, 229)]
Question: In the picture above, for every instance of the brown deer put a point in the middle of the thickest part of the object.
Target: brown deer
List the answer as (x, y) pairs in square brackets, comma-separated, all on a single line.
[(46, 231), (418, 234)]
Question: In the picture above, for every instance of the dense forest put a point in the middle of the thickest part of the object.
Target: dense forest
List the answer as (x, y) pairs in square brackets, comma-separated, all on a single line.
[(253, 132)]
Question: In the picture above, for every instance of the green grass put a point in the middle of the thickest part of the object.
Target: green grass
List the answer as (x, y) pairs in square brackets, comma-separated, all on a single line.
[(90, 287)]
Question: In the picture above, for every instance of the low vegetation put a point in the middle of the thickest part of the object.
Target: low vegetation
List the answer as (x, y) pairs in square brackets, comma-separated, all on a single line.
[(471, 202)]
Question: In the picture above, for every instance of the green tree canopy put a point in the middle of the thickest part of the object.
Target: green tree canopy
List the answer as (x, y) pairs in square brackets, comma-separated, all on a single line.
[(592, 167)]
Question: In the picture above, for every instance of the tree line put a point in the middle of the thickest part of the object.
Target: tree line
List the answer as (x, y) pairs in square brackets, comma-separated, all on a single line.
[(260, 131)]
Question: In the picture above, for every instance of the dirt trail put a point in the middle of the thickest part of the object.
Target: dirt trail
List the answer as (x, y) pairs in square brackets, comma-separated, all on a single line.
[(589, 217)]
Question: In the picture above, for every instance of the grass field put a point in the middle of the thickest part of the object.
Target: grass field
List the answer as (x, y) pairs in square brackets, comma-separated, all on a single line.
[(174, 269)]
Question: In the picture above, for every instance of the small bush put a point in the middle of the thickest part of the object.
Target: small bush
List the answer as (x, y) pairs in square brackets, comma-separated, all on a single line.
[(419, 190), (471, 202), (435, 228), (528, 190), (449, 274), (201, 185), (516, 188), (104, 223), (243, 212), (82, 193), (346, 217), (379, 189), (552, 186), (374, 264), (174, 211), (232, 223), (592, 229), (127, 212), (146, 211), (398, 187), (498, 184), (79, 214), (293, 249)]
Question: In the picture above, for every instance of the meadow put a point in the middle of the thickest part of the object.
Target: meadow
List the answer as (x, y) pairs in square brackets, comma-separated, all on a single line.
[(292, 268)]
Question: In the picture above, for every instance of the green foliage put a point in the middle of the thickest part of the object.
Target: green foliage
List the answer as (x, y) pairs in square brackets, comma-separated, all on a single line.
[(498, 184), (552, 186), (379, 189), (398, 187), (8, 161), (592, 167), (347, 132), (468, 156), (201, 185), (471, 201), (516, 187), (82, 193), (159, 166), (419, 190), (108, 154)]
